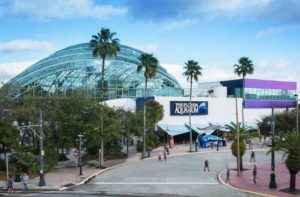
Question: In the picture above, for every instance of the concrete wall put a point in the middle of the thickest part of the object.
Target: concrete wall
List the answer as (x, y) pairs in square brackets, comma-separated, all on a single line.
[(220, 110)]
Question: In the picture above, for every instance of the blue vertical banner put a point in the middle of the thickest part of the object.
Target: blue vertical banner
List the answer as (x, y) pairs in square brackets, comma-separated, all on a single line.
[(182, 108)]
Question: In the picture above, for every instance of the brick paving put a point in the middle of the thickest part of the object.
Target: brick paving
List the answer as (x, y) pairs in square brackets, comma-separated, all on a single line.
[(245, 180)]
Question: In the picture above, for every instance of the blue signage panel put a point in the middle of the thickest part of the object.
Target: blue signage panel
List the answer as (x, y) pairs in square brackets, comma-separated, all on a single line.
[(182, 108)]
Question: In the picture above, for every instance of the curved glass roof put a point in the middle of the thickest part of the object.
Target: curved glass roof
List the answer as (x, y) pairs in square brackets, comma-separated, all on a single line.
[(75, 68)]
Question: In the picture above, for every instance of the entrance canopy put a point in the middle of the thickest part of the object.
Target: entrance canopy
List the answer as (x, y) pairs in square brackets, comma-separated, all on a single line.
[(173, 130)]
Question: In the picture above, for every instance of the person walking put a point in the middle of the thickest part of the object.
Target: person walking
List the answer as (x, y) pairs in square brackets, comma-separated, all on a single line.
[(165, 155), (159, 156), (254, 172), (25, 180), (206, 166), (227, 175), (252, 156), (10, 183)]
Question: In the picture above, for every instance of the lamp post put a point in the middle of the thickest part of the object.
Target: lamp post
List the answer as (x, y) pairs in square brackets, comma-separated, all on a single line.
[(42, 153), (167, 143), (297, 113), (80, 164), (42, 177), (238, 137), (272, 175), (6, 162), (217, 139)]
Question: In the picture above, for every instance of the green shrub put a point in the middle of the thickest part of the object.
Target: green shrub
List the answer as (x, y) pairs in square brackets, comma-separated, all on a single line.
[(63, 157), (139, 146)]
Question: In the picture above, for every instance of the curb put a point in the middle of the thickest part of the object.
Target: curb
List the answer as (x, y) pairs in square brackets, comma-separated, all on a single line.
[(242, 190)]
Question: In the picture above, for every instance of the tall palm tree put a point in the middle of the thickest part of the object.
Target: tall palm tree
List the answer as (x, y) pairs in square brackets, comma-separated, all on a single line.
[(289, 143), (104, 44), (244, 67), (149, 64), (192, 71)]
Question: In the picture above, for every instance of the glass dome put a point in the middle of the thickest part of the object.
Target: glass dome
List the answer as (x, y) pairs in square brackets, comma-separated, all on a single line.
[(74, 68)]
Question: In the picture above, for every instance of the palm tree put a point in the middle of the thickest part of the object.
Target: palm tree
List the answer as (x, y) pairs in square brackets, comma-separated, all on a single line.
[(244, 67), (245, 132), (192, 71), (150, 65), (289, 143), (103, 45)]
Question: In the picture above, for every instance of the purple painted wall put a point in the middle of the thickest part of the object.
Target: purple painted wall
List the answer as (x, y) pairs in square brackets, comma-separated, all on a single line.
[(270, 104), (270, 84)]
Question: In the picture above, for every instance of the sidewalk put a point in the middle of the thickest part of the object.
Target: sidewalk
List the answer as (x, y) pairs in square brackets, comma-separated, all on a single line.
[(245, 180)]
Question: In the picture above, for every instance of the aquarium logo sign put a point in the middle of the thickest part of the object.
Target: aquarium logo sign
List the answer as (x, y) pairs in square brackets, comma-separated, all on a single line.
[(183, 108)]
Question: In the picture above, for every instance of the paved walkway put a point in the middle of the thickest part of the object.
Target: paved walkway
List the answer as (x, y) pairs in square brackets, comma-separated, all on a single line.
[(245, 180), (65, 177)]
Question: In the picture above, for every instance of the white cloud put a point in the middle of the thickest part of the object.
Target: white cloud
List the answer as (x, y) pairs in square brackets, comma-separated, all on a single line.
[(269, 32), (274, 64), (25, 45), (10, 69), (48, 9), (176, 71), (179, 24), (149, 48), (209, 74)]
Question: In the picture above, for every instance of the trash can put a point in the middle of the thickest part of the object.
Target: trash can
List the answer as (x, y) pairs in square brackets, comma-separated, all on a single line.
[(17, 177)]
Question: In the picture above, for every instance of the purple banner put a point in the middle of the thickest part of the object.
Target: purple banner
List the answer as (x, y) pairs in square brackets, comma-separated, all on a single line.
[(270, 104), (270, 84)]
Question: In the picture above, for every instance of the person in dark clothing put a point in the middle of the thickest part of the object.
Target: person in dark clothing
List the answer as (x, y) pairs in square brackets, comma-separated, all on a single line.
[(252, 156), (254, 172), (206, 166), (228, 175)]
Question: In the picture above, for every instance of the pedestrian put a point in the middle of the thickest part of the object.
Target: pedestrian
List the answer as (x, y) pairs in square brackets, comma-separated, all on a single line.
[(206, 166), (167, 150), (159, 156), (25, 180), (254, 172), (212, 145), (252, 156), (10, 183), (165, 155), (227, 175)]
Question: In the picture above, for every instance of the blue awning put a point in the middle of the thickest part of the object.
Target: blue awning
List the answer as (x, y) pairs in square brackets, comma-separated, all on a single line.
[(173, 130)]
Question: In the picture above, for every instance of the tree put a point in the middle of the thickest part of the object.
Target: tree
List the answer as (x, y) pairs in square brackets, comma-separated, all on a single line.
[(129, 125), (149, 64), (104, 45), (192, 71), (8, 137), (245, 133), (289, 143), (244, 67), (285, 121)]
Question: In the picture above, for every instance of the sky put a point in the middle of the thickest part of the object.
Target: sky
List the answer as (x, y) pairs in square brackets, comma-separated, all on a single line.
[(215, 33)]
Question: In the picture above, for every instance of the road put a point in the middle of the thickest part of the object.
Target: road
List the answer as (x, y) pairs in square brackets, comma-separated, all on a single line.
[(179, 176)]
